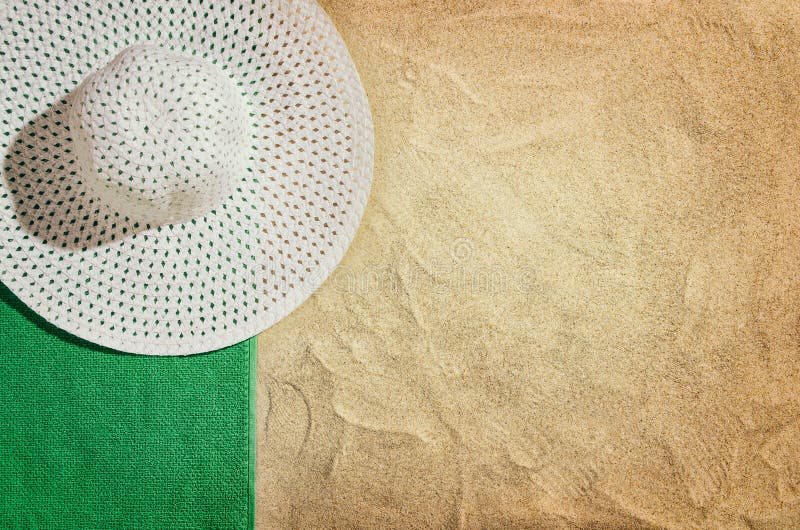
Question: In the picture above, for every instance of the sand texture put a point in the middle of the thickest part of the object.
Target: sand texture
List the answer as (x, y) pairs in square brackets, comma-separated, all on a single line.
[(573, 300)]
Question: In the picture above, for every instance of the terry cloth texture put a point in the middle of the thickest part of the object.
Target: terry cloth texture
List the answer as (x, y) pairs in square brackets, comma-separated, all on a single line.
[(92, 438)]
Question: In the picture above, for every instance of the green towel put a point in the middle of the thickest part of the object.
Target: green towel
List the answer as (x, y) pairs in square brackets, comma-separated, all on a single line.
[(93, 438)]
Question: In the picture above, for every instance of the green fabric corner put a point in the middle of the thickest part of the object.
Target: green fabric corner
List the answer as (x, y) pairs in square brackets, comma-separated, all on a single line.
[(94, 438)]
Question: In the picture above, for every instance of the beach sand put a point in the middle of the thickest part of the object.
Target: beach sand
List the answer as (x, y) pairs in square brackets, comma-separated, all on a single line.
[(573, 298)]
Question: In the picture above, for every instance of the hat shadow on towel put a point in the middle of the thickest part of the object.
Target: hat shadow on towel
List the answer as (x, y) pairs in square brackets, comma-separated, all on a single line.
[(11, 300), (50, 201)]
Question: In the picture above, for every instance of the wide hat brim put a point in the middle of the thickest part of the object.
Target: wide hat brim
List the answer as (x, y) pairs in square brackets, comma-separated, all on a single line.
[(216, 280)]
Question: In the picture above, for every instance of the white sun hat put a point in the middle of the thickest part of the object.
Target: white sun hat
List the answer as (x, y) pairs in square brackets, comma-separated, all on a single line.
[(179, 175)]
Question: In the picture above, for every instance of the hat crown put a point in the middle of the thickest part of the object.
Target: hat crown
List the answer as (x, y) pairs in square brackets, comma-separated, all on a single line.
[(160, 136)]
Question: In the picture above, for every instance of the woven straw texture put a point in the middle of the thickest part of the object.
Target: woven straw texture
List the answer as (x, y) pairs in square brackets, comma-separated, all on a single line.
[(176, 176)]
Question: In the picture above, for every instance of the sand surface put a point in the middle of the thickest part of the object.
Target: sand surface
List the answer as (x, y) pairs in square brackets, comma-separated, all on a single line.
[(573, 300)]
